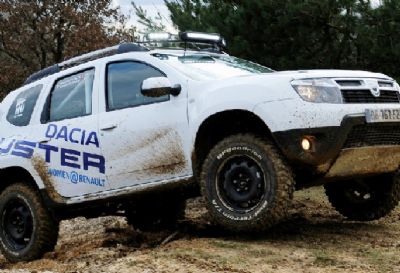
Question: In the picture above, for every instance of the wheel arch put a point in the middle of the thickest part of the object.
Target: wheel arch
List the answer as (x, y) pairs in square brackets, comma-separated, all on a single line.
[(223, 124), (15, 174)]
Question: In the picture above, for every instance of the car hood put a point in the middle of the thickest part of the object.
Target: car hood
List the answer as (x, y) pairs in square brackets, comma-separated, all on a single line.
[(285, 77), (328, 73), (269, 86)]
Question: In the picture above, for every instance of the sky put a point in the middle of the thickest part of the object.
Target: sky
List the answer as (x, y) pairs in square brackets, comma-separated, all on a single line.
[(151, 6)]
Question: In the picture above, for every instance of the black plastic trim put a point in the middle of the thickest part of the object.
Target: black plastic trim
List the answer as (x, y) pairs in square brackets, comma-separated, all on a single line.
[(187, 188), (43, 73), (329, 141)]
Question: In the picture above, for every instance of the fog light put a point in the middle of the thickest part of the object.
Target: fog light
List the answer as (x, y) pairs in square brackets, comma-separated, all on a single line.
[(306, 144)]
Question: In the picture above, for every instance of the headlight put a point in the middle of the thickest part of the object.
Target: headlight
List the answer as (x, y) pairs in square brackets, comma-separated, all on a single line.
[(318, 90)]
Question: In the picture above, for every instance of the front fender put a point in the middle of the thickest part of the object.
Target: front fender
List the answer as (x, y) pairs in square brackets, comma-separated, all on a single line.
[(198, 118), (239, 93)]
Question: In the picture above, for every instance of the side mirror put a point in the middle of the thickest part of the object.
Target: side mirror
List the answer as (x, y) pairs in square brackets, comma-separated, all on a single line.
[(158, 87)]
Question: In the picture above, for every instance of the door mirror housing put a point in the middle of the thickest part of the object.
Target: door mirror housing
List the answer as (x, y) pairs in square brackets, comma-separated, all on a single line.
[(158, 87)]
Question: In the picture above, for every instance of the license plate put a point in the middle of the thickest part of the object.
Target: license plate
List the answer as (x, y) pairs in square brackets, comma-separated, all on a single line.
[(382, 115)]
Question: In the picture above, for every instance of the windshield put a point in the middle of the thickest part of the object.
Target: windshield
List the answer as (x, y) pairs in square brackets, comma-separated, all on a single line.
[(203, 66)]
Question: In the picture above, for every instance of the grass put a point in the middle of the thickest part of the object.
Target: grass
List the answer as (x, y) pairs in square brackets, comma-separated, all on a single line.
[(135, 263), (381, 260), (324, 258), (228, 244)]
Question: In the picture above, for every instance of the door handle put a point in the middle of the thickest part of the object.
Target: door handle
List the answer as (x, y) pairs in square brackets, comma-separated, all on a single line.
[(109, 127)]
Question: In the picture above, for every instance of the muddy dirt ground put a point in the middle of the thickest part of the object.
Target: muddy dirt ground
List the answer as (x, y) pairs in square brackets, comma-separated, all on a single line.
[(314, 238)]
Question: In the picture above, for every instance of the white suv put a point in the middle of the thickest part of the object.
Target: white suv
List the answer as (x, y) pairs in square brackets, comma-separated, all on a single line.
[(139, 129)]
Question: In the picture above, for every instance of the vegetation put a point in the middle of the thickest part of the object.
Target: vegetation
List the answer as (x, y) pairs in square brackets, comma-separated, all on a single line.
[(301, 34), (150, 24), (285, 34), (36, 34)]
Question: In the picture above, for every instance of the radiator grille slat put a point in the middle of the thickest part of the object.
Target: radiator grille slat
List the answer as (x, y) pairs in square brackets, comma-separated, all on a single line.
[(365, 96)]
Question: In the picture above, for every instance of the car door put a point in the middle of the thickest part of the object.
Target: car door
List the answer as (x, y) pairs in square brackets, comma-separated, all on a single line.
[(66, 137), (143, 139)]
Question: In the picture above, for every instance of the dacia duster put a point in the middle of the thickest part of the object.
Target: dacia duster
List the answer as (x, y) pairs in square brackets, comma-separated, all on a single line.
[(140, 127)]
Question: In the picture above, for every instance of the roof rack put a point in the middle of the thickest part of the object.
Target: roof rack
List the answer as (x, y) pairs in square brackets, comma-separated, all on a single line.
[(110, 51)]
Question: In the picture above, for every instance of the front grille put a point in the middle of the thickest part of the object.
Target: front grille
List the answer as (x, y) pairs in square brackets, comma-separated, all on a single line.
[(373, 135), (365, 96)]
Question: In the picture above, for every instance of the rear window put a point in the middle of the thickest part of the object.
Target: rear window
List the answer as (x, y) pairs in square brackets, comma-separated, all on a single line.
[(22, 107), (71, 96)]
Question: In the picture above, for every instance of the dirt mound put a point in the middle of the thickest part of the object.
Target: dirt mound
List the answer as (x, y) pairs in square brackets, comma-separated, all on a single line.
[(314, 238)]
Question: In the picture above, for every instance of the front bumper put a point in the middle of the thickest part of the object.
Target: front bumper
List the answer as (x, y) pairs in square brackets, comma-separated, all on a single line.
[(355, 148)]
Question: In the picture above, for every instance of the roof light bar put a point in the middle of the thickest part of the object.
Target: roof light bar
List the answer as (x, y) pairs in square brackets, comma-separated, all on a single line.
[(199, 37), (158, 36), (214, 39)]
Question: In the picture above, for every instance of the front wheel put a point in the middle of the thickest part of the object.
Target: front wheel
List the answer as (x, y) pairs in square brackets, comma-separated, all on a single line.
[(365, 199), (246, 184), (27, 230)]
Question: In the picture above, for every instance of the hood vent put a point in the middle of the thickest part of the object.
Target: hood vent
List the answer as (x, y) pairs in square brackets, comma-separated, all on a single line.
[(349, 82), (385, 84)]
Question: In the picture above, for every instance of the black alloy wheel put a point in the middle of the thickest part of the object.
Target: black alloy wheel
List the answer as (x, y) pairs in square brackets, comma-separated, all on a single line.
[(246, 184), (241, 184), (359, 193), (27, 227), (365, 199), (17, 223)]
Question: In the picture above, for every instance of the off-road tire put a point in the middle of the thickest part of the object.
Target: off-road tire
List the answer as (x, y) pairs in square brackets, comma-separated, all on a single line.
[(157, 214), (44, 228), (383, 192), (277, 178)]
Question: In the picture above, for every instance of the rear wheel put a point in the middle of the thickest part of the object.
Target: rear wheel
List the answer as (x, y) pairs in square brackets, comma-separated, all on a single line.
[(246, 184), (365, 199), (27, 230)]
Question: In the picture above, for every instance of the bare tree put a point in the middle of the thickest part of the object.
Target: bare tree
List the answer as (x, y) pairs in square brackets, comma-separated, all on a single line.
[(36, 34)]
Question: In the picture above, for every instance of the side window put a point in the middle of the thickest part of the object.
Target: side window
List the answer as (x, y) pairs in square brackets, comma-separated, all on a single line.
[(21, 109), (71, 96), (124, 81)]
